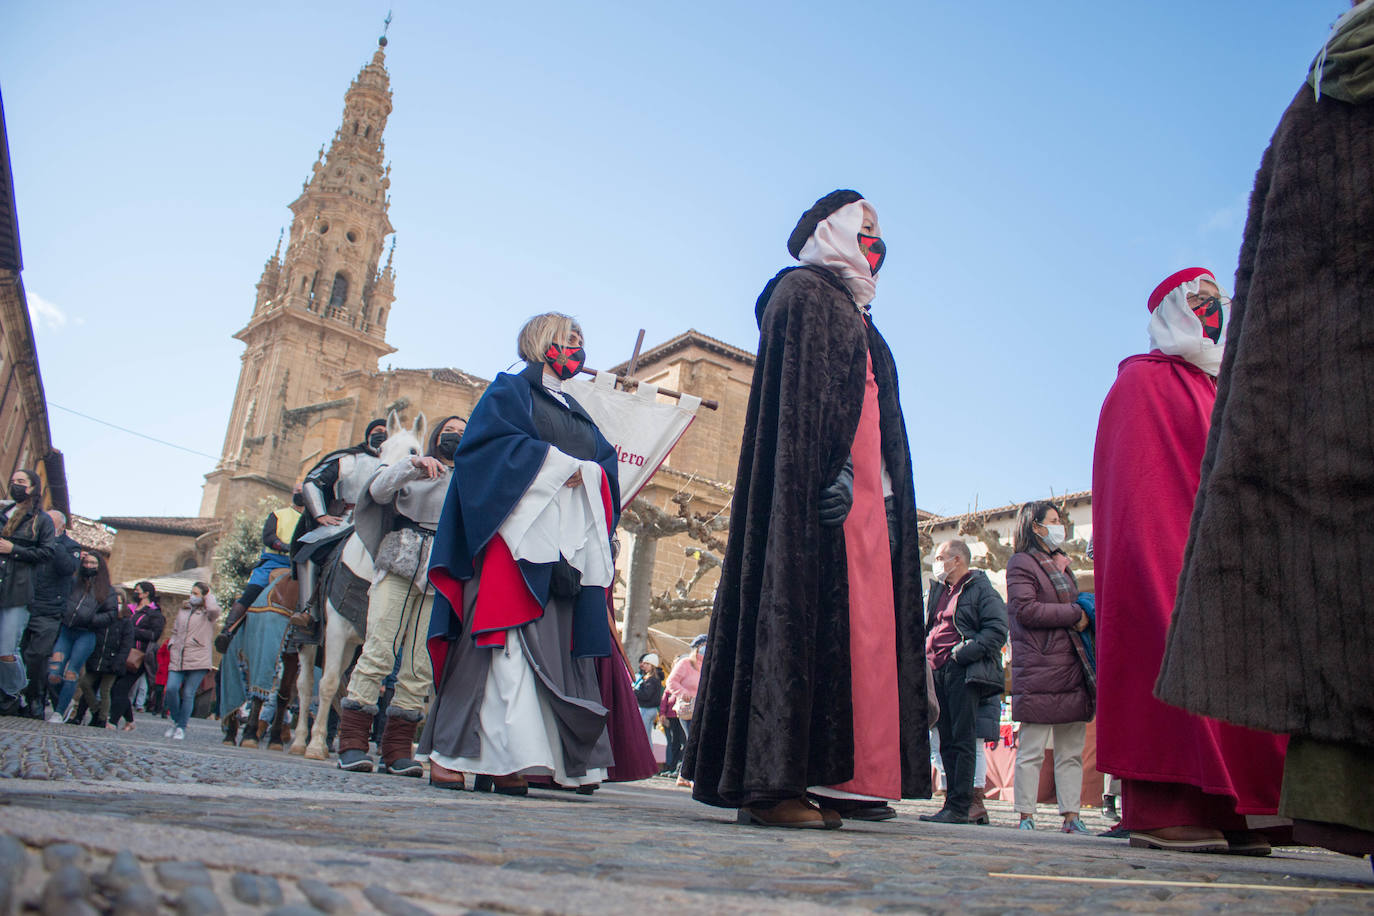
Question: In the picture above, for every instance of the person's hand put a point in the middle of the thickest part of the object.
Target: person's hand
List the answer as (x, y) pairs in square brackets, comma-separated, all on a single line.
[(430, 466), (6, 546), (1082, 622), (329, 519), (575, 480), (837, 498)]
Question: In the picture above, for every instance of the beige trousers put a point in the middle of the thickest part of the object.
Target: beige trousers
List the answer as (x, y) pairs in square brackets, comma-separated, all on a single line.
[(1068, 764), (397, 625)]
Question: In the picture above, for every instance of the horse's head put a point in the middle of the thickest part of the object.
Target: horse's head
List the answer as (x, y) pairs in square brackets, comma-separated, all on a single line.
[(402, 441)]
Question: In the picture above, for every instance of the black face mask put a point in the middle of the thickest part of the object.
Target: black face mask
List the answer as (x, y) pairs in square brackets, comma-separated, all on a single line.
[(88, 572), (375, 441), (447, 445), (19, 492), (298, 500)]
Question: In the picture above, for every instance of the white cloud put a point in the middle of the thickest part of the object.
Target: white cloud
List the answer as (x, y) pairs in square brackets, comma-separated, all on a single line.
[(46, 315)]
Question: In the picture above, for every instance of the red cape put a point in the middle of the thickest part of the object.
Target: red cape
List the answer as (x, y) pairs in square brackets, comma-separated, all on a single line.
[(1146, 468)]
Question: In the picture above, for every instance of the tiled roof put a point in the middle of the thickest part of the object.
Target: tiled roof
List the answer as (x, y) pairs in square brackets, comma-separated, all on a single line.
[(162, 524), (1003, 511), (690, 337)]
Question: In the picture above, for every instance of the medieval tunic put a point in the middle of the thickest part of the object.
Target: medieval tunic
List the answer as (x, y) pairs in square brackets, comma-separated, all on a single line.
[(1274, 624), (811, 678), (1150, 440), (520, 563)]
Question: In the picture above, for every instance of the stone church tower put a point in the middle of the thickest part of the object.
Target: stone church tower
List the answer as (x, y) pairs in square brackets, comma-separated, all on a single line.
[(321, 309)]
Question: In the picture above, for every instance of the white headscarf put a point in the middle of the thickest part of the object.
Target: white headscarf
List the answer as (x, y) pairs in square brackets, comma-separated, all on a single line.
[(1175, 329), (835, 246)]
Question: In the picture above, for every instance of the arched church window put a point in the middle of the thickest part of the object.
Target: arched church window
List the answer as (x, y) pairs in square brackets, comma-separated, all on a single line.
[(355, 128), (367, 132), (339, 295)]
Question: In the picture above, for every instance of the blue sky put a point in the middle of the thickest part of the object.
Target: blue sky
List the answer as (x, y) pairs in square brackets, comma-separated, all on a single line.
[(1037, 169)]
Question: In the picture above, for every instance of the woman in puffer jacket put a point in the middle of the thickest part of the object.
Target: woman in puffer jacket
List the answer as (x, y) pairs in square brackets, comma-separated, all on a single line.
[(104, 667), (92, 607), (1052, 691), (190, 657)]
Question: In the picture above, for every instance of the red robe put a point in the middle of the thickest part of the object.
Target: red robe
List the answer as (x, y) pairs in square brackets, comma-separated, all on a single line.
[(1146, 469)]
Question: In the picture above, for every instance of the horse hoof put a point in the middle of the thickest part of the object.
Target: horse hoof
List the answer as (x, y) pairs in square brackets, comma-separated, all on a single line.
[(296, 751), (312, 754)]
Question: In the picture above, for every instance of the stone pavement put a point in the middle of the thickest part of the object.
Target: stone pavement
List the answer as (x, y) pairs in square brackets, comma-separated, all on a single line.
[(101, 821)]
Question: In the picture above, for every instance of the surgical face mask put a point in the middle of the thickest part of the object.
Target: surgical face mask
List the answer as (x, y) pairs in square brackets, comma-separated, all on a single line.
[(196, 600), (937, 569), (19, 492), (375, 440), (1053, 536), (88, 572), (447, 445)]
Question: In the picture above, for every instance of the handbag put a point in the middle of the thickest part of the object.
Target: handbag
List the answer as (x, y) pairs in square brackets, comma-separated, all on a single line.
[(135, 660), (684, 706)]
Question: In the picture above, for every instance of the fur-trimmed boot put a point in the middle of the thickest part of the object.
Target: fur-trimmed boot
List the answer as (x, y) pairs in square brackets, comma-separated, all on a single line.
[(276, 732), (355, 724), (250, 728), (398, 743)]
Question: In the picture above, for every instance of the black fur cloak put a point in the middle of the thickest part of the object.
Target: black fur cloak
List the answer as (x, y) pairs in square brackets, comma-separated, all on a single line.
[(774, 712)]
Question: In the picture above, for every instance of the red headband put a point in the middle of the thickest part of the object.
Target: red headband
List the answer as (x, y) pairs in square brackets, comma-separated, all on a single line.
[(1174, 281)]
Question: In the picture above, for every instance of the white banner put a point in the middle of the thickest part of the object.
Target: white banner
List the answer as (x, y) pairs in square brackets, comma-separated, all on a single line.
[(641, 428)]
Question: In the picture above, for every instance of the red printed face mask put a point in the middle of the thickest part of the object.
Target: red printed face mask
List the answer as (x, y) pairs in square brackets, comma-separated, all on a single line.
[(565, 361), (1209, 313), (873, 250)]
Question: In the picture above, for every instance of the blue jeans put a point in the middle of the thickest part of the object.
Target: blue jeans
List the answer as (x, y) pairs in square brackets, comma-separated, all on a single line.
[(647, 713), (69, 656), (13, 677), (181, 694)]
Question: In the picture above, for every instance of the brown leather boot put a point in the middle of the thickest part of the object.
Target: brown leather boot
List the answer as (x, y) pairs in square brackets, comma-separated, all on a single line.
[(354, 727), (977, 811), (397, 745)]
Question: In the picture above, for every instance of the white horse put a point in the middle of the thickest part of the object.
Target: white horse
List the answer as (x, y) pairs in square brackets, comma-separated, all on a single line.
[(341, 637)]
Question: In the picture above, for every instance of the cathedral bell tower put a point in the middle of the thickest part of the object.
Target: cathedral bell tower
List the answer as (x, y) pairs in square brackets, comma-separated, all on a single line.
[(321, 308)]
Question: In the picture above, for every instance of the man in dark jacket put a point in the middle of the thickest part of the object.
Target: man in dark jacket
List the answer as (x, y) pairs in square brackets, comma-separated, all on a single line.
[(51, 588), (966, 627)]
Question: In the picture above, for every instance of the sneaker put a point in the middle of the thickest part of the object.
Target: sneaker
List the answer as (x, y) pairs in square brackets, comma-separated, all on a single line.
[(171, 729), (1027, 824), (55, 719), (1074, 825), (178, 735)]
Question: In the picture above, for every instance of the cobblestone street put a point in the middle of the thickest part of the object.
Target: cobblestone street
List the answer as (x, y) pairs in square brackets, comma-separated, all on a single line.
[(134, 823)]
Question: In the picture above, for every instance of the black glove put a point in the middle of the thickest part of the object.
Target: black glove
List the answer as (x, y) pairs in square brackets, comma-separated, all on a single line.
[(966, 653), (838, 497), (222, 642)]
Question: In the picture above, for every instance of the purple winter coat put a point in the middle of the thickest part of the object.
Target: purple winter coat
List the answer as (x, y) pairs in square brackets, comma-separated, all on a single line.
[(1047, 683)]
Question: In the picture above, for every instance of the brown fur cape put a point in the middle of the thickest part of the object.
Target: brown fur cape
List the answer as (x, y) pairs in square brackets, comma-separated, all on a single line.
[(1274, 622), (774, 713)]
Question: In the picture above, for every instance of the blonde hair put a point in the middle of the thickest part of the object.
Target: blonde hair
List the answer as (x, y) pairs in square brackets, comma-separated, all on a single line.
[(540, 331)]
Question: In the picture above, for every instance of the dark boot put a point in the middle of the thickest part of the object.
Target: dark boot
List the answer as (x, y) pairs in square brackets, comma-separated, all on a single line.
[(398, 745), (225, 636), (250, 728), (1109, 808), (230, 724), (354, 726), (977, 811), (276, 732)]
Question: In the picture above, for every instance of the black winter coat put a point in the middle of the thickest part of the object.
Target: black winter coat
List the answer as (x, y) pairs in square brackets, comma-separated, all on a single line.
[(649, 691), (148, 626), (33, 544), (53, 583), (980, 617), (86, 612), (112, 646)]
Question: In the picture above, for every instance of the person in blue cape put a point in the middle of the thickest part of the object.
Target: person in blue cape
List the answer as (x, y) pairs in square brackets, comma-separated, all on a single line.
[(521, 562)]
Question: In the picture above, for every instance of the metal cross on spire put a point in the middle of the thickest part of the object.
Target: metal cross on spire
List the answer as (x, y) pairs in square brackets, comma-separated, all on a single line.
[(386, 27)]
